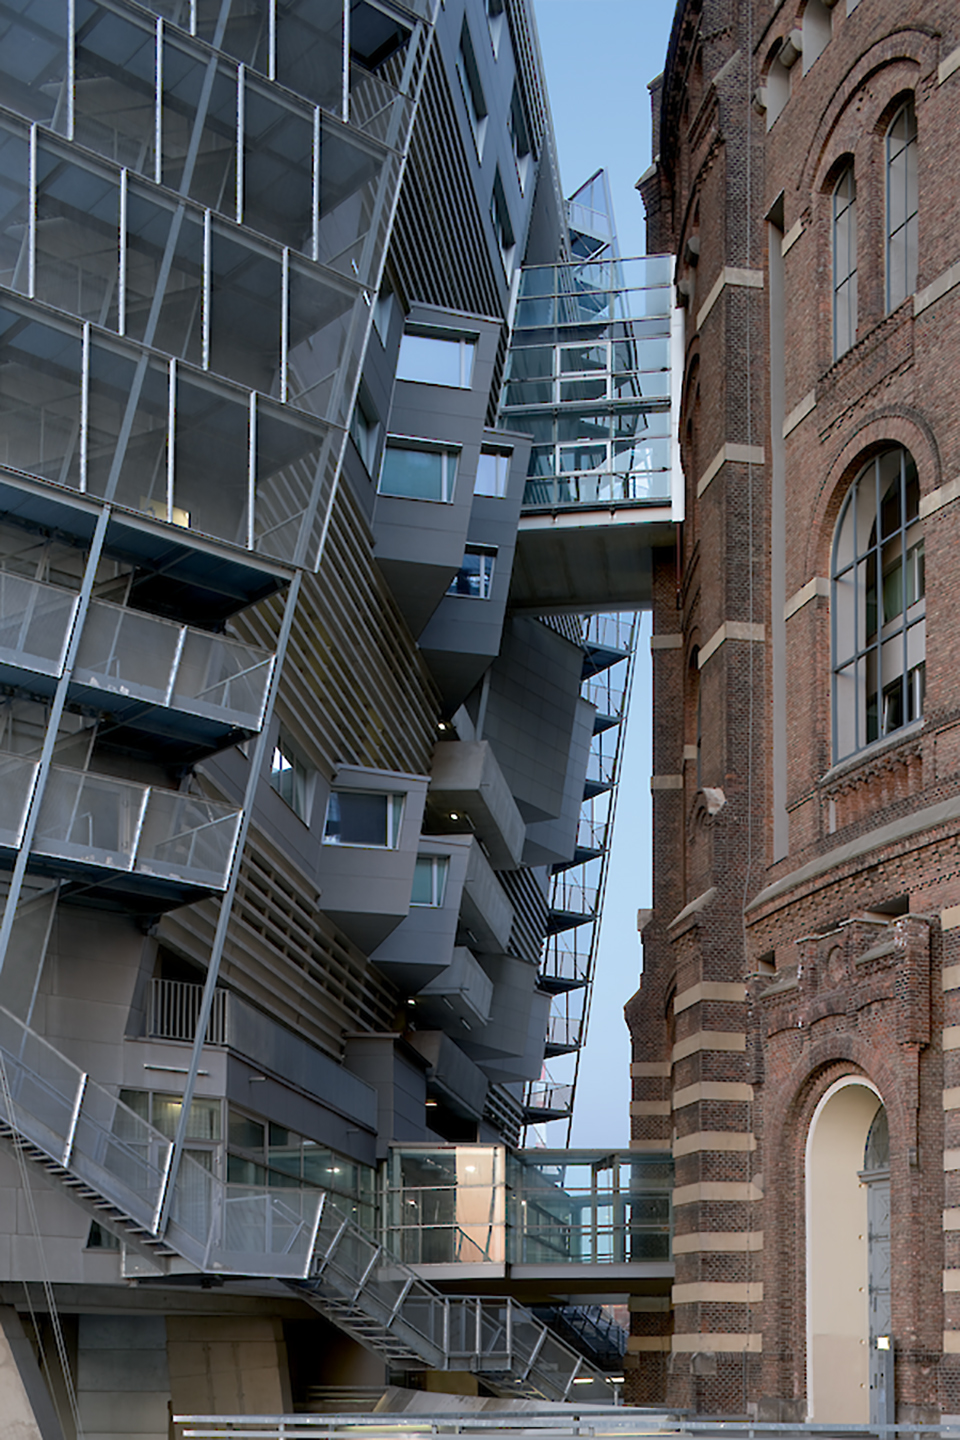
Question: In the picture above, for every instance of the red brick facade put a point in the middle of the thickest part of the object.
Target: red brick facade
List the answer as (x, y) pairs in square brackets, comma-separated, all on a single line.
[(804, 929)]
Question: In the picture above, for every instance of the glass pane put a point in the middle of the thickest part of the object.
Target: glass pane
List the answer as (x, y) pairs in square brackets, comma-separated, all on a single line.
[(356, 818), (295, 460), (350, 173), (33, 60), (245, 308), (39, 398), (324, 342), (14, 208), (435, 361), (164, 284), (115, 87), (199, 127), (77, 237), (211, 458), (277, 168), (414, 474), (493, 471), (310, 49), (243, 32), (127, 428)]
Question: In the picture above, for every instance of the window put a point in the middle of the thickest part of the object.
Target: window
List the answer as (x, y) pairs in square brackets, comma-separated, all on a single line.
[(418, 474), (429, 880), (434, 359), (901, 206), (365, 431), (383, 312), (475, 577), (363, 817), (472, 89), (503, 229), (493, 473), (844, 263), (519, 138), (496, 19), (878, 603), (291, 777)]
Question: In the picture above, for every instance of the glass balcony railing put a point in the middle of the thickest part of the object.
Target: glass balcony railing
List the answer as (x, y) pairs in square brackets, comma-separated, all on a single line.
[(136, 656), (108, 824), (642, 486)]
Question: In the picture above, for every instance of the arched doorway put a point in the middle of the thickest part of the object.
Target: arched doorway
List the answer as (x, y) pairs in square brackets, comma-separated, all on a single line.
[(843, 1197)]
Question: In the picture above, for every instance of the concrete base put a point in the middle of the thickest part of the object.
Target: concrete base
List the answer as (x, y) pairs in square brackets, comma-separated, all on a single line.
[(26, 1411)]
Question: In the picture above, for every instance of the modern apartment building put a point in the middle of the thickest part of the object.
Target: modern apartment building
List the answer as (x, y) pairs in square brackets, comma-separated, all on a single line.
[(296, 723), (795, 1034)]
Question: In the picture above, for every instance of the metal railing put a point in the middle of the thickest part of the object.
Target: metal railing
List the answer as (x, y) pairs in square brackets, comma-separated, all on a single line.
[(111, 824), (142, 657), (175, 1008)]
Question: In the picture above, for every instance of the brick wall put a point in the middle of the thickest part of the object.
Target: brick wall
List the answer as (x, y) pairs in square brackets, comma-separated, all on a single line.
[(771, 974)]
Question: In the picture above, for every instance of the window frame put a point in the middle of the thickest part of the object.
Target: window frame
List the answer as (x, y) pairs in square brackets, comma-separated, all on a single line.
[(467, 355), (439, 874), (393, 819), (502, 462), (877, 603), (300, 799), (449, 469), (484, 573), (908, 227), (844, 260)]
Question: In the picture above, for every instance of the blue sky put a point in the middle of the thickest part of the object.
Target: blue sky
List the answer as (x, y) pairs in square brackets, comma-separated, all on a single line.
[(599, 57)]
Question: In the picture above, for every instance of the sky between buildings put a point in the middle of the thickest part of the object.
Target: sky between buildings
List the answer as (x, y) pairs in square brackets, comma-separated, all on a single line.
[(599, 57)]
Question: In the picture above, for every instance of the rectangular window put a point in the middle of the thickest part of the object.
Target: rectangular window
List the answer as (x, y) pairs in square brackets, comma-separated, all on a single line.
[(474, 579), (437, 359), (519, 138), (363, 817), (472, 89), (416, 474), (290, 777), (493, 473), (496, 19), (365, 432), (429, 880), (503, 229)]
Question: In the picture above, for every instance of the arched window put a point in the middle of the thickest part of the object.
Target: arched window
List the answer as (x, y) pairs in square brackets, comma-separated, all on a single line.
[(844, 262), (901, 205), (878, 605)]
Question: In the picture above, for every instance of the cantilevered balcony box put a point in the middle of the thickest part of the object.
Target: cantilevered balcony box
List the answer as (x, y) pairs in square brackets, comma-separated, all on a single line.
[(552, 842), (464, 633), (468, 794), (429, 466), (368, 856), (516, 1007), (455, 896), (458, 998), (532, 712), (452, 1075)]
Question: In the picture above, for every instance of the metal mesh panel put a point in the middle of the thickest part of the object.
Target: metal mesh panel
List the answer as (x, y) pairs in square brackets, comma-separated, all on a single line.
[(90, 818), (223, 679), (127, 652), (187, 838), (16, 787), (277, 1226), (35, 623)]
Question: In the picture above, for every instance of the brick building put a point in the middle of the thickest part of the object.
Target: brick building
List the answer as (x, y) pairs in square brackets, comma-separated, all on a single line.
[(797, 1032)]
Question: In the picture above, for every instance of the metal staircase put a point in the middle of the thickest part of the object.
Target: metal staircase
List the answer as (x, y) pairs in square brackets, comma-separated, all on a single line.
[(109, 1159)]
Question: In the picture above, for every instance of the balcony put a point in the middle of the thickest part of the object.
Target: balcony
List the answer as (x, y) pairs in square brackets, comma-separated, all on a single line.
[(170, 680), (468, 793), (118, 835)]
